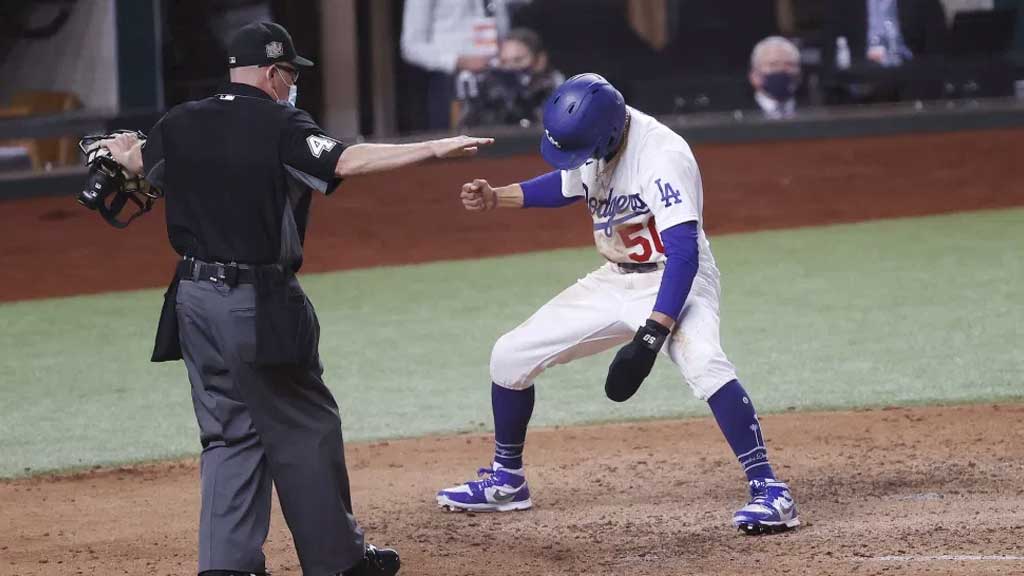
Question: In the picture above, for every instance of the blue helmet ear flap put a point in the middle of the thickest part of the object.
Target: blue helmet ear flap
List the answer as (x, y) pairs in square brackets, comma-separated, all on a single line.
[(615, 139)]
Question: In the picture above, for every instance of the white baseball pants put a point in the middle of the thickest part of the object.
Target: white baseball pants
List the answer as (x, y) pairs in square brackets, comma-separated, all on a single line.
[(603, 310)]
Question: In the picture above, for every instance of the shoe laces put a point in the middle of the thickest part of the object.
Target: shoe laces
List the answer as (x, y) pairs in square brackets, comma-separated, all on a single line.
[(489, 477), (759, 491)]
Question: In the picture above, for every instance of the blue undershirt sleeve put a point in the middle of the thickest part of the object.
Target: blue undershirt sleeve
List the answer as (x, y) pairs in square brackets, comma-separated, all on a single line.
[(545, 191), (681, 251)]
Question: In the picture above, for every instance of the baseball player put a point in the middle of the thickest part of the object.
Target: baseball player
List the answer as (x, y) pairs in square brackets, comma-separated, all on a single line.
[(658, 291), (238, 170)]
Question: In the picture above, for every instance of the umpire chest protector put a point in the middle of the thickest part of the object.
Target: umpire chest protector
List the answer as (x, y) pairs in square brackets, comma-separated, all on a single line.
[(237, 170)]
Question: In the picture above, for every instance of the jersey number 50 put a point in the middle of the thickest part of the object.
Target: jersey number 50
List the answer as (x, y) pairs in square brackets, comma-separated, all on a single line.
[(630, 238)]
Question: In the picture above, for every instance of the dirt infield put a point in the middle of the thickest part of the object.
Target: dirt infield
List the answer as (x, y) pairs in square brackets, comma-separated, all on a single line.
[(52, 247), (895, 491)]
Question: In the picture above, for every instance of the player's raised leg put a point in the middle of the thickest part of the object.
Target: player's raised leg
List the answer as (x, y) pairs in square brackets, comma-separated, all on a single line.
[(579, 322)]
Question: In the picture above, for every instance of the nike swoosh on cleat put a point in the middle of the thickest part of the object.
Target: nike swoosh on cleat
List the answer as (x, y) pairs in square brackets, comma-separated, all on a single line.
[(501, 497), (785, 510)]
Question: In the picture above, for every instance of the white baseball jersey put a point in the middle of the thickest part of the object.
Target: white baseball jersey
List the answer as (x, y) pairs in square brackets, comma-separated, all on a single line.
[(651, 185)]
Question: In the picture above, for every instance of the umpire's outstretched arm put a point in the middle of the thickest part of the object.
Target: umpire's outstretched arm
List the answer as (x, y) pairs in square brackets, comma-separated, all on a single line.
[(356, 159), (369, 158)]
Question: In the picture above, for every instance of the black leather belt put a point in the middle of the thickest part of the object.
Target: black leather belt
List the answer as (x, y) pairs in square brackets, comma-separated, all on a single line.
[(638, 267), (230, 274)]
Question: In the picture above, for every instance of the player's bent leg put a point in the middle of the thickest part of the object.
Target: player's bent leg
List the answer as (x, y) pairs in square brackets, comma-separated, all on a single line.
[(580, 321), (557, 334), (502, 488)]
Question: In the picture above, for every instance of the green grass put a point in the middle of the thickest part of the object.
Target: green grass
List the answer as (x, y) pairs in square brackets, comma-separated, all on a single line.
[(909, 311)]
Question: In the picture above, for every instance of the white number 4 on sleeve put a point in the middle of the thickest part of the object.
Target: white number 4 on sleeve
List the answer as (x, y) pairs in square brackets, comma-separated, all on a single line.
[(319, 144)]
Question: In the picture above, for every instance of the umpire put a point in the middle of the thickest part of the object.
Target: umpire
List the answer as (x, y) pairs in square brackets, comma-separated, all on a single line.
[(237, 170)]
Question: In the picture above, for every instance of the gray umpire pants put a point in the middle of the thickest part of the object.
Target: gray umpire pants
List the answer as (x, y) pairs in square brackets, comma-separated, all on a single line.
[(262, 426)]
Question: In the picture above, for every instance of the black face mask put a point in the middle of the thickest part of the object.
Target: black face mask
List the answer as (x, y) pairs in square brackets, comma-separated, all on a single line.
[(780, 85)]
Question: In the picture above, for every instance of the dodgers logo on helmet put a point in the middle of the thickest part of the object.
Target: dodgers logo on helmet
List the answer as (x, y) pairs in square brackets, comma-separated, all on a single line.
[(552, 140), (583, 119)]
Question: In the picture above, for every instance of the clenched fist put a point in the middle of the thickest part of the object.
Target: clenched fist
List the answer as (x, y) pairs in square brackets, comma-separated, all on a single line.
[(478, 196)]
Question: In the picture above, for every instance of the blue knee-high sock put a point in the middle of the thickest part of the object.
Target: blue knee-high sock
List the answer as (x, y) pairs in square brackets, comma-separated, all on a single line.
[(512, 410), (736, 417)]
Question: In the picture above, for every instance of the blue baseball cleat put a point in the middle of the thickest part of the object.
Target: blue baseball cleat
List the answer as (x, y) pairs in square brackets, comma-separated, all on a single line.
[(498, 490), (771, 509)]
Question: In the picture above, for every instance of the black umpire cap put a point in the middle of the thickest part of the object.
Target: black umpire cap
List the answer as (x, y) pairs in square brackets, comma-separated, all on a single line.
[(263, 44)]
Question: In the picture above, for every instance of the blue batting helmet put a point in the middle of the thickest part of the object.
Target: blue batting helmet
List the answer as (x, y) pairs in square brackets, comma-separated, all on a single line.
[(583, 119)]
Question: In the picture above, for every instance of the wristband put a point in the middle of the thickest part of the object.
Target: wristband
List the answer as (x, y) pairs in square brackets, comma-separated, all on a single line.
[(652, 335)]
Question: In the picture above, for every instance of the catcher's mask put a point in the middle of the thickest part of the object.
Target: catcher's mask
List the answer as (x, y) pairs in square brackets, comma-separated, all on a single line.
[(109, 187)]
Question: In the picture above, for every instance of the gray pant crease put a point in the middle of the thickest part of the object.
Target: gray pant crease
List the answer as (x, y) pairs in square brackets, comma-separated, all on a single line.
[(261, 427)]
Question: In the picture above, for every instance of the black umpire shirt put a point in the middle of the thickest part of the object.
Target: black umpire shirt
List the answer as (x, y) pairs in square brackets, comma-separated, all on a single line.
[(237, 170)]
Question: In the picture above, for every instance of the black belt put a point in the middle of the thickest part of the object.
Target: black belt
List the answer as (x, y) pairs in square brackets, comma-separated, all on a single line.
[(638, 267), (230, 274)]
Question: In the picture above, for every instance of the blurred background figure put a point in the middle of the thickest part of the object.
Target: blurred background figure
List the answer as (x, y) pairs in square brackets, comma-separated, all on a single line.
[(600, 36), (885, 32), (444, 37), (405, 66), (775, 76), (514, 91), (998, 24), (523, 51), (884, 50)]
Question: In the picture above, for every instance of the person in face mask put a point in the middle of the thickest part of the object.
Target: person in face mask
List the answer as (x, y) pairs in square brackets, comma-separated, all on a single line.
[(237, 171), (775, 76), (289, 76), (513, 90), (264, 56)]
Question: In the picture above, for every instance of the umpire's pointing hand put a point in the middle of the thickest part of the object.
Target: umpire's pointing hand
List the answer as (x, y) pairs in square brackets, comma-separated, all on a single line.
[(478, 196), (458, 146)]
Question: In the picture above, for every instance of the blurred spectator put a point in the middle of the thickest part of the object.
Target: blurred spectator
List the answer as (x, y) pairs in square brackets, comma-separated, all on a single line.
[(1012, 10), (775, 76), (1017, 46), (885, 32), (953, 6), (800, 18), (444, 37), (513, 92), (712, 36), (650, 20), (593, 36)]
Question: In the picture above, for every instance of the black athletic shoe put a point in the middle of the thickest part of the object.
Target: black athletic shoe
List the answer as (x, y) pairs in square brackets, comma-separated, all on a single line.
[(376, 562)]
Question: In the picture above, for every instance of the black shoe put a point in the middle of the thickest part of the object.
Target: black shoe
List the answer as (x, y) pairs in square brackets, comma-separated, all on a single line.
[(376, 562)]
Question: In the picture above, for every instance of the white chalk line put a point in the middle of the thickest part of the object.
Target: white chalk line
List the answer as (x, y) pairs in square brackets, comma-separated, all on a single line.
[(951, 558)]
